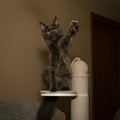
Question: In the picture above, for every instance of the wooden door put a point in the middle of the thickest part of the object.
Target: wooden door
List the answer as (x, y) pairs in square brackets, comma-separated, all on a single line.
[(105, 68)]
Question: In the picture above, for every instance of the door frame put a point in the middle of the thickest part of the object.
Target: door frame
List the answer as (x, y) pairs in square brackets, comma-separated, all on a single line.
[(103, 20)]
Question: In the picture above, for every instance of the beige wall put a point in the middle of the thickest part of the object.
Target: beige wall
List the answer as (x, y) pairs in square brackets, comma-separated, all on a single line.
[(22, 48)]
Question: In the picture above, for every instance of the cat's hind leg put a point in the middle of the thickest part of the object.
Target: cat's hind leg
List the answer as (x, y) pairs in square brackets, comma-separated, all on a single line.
[(53, 85)]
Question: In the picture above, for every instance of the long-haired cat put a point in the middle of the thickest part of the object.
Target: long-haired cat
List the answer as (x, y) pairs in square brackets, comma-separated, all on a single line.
[(57, 75)]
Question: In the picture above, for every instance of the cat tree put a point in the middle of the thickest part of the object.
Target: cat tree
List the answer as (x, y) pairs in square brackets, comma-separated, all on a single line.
[(80, 103), (78, 70)]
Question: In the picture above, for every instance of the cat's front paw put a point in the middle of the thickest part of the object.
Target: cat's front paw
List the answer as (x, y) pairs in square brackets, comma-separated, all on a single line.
[(74, 27)]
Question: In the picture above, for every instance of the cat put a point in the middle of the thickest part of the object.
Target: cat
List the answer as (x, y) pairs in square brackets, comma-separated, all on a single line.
[(57, 76)]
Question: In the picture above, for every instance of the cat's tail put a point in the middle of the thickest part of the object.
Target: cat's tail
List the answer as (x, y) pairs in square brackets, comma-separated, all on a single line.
[(46, 109)]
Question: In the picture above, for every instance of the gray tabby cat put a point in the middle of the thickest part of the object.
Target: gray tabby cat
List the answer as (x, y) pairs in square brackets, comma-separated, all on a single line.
[(57, 76)]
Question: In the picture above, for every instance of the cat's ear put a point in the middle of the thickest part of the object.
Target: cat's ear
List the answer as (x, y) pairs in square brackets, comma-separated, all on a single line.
[(56, 22), (43, 27)]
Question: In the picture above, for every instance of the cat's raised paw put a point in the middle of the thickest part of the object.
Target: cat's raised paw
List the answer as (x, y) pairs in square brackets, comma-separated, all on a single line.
[(74, 26)]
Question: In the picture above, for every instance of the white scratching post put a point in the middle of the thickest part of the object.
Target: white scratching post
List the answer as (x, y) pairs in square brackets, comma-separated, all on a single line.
[(79, 105)]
